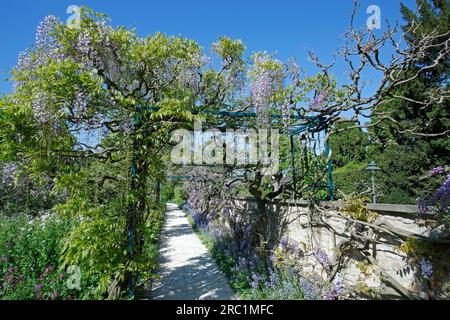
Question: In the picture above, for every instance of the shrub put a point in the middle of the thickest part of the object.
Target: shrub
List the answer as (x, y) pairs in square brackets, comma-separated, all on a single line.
[(29, 265)]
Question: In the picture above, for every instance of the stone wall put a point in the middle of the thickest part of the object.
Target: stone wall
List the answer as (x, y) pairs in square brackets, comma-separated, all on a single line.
[(379, 270)]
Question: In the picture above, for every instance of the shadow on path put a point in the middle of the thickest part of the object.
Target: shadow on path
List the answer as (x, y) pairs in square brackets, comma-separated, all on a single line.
[(186, 268)]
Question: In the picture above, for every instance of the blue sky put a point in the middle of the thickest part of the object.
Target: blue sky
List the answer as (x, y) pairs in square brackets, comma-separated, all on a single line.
[(283, 26)]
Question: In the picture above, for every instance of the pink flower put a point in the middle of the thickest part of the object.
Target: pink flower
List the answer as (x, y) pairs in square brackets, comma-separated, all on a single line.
[(5, 259), (55, 295), (49, 269), (61, 276), (9, 279)]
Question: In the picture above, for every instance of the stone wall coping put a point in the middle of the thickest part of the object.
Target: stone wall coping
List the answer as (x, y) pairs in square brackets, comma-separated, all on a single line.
[(382, 208)]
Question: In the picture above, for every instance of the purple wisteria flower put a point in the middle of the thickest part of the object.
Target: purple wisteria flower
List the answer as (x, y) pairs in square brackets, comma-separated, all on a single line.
[(338, 284), (323, 259), (440, 200), (40, 109), (319, 101), (426, 268), (9, 174), (47, 48), (441, 197), (284, 243), (336, 290), (216, 233), (45, 32), (263, 84), (84, 44), (81, 102), (286, 113)]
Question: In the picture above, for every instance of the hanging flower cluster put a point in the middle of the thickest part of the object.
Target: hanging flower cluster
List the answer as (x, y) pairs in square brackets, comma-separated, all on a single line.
[(266, 80), (190, 77), (41, 113), (323, 259), (318, 102), (426, 268), (9, 174), (47, 48), (440, 200)]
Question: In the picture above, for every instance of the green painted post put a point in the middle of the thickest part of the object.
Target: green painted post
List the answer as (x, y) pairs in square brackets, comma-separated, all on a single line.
[(294, 177), (330, 172)]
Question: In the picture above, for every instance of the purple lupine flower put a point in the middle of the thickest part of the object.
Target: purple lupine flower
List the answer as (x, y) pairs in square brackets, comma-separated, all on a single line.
[(273, 279), (426, 268), (286, 289), (273, 257), (39, 287), (216, 233), (4, 259), (437, 170), (309, 289), (256, 279)]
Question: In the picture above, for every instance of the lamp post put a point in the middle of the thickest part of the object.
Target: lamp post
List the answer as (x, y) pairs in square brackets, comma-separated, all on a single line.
[(373, 167)]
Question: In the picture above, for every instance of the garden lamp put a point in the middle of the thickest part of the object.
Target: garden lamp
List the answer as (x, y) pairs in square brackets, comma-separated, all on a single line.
[(373, 167)]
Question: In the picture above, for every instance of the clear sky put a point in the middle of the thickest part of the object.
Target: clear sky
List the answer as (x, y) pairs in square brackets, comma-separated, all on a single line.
[(283, 26)]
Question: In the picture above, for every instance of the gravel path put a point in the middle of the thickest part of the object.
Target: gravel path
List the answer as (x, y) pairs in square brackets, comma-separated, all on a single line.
[(186, 271)]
